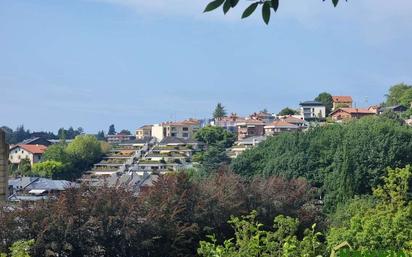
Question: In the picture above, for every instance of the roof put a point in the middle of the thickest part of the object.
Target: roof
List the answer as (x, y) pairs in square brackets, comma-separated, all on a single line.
[(354, 111), (395, 107), (281, 124), (146, 127), (312, 103), (189, 122), (342, 99), (33, 183), (34, 149), (251, 122), (294, 120), (32, 141), (177, 141)]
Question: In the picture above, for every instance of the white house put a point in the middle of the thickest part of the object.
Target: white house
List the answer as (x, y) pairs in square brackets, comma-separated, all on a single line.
[(31, 152), (312, 110)]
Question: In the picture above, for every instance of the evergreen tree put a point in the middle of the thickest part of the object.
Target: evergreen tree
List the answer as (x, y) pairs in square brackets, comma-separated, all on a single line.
[(219, 111), (112, 130), (326, 99)]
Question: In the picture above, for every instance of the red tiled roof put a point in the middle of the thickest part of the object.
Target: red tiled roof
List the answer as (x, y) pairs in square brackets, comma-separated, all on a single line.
[(251, 122), (181, 123), (354, 111), (342, 99), (282, 123), (35, 149), (294, 120)]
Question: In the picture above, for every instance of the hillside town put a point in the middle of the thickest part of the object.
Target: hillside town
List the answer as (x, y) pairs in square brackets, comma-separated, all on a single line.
[(135, 161)]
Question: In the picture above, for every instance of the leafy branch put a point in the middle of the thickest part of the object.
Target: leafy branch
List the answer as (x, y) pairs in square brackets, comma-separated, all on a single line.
[(267, 7)]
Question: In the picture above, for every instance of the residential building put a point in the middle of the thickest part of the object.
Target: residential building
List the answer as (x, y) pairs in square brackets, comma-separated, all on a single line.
[(312, 110), (279, 126), (34, 188), (244, 144), (250, 128), (119, 138), (144, 132), (396, 108), (341, 102), (302, 124), (180, 129), (350, 113), (263, 116), (36, 141), (229, 122), (374, 108), (31, 152)]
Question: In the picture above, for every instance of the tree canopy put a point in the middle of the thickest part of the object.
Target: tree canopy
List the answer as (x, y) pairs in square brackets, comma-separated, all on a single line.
[(219, 111), (287, 111), (326, 99), (343, 159)]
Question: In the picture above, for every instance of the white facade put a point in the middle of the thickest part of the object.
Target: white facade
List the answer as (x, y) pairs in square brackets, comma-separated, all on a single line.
[(312, 110)]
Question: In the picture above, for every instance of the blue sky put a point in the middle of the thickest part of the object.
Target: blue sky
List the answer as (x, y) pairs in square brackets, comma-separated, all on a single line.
[(91, 63)]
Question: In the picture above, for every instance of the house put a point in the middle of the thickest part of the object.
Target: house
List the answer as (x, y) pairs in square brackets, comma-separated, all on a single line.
[(396, 108), (280, 126), (374, 108), (341, 102), (263, 116), (36, 141), (144, 132), (302, 124), (229, 122), (31, 152), (312, 110), (34, 188), (244, 144), (250, 128), (350, 113), (180, 129), (119, 138)]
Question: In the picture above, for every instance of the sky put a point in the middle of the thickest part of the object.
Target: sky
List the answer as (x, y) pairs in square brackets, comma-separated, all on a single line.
[(92, 63)]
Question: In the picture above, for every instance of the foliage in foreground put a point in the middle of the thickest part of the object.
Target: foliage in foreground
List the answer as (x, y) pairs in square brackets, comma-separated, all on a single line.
[(252, 240), (168, 219), (267, 7)]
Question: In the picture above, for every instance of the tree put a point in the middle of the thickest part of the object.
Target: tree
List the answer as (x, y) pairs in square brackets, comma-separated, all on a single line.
[(49, 169), (112, 130), (125, 132), (212, 135), (84, 151), (100, 135), (252, 240), (219, 112), (326, 100), (398, 94), (24, 167), (287, 111), (20, 248), (386, 224), (56, 152), (344, 160), (267, 7)]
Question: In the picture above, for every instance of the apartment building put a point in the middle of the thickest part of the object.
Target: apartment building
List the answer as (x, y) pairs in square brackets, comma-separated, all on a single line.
[(181, 129), (312, 110), (144, 132)]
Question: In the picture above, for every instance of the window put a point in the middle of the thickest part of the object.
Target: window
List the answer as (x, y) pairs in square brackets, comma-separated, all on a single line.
[(185, 129), (173, 134), (185, 134)]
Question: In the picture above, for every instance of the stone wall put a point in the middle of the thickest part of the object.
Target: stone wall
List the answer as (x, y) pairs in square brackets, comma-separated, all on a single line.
[(4, 154)]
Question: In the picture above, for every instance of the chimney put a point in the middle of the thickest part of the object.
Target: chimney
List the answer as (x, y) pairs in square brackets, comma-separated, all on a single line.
[(4, 154)]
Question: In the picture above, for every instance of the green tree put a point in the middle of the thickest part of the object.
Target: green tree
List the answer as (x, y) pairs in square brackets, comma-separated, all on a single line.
[(112, 130), (268, 6), (386, 225), (219, 111), (287, 111), (56, 152), (251, 240), (24, 167), (212, 135), (100, 135), (49, 169), (21, 248), (326, 99), (396, 94)]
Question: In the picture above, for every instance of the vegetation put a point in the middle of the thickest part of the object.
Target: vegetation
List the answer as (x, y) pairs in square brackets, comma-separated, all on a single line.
[(68, 161), (267, 7), (112, 130), (325, 99), (219, 112), (287, 111), (343, 160)]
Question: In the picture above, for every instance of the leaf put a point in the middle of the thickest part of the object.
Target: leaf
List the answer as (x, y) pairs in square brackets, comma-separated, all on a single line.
[(226, 6), (335, 2), (266, 12), (213, 5), (275, 4), (248, 11), (233, 3)]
